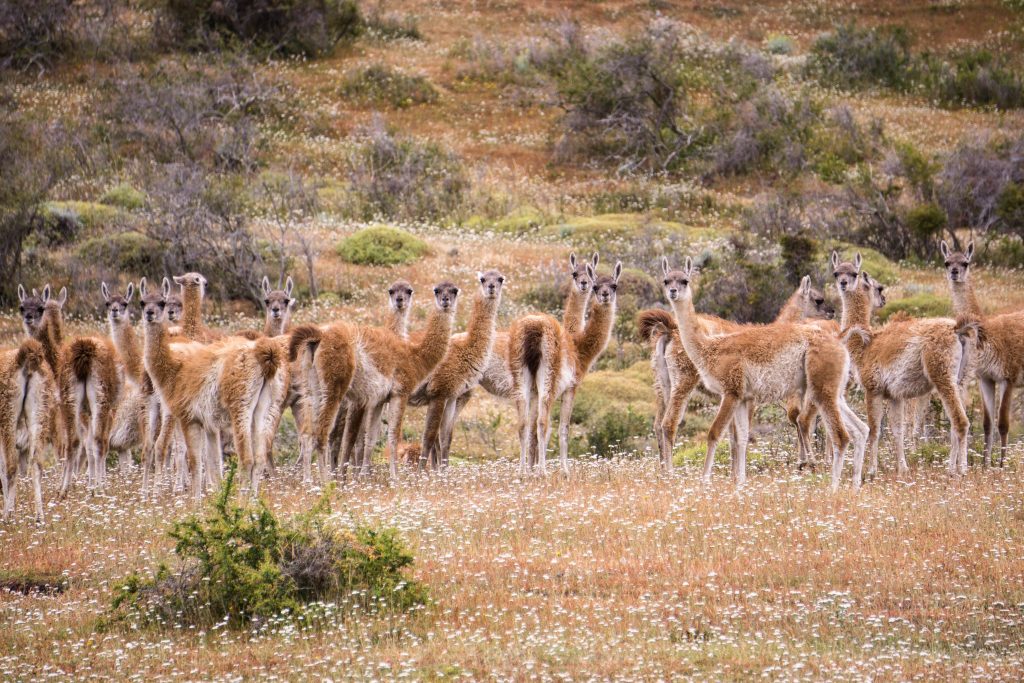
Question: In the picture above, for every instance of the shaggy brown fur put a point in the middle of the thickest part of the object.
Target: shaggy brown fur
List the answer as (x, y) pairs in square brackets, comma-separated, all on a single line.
[(27, 397), (676, 377), (903, 360), (1000, 356), (460, 369), (764, 364), (233, 384), (372, 367), (193, 291), (547, 362)]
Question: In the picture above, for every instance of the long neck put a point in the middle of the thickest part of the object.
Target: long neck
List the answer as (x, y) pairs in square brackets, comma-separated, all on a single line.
[(160, 364), (594, 339), (398, 322), (191, 311), (856, 309), (575, 306), (480, 329), (275, 328), (691, 334), (129, 348), (430, 348), (965, 303), (793, 311), (51, 336)]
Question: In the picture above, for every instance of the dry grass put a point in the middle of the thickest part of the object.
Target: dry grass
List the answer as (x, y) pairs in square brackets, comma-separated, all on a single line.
[(618, 572)]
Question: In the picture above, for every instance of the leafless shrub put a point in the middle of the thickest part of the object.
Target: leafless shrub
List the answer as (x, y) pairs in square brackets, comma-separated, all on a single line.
[(292, 203), (975, 176), (772, 216), (770, 129)]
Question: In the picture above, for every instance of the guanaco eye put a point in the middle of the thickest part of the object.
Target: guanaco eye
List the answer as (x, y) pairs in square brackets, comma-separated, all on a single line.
[(819, 301), (666, 283), (947, 264), (575, 275), (481, 280), (501, 280), (835, 274), (266, 301), (436, 291)]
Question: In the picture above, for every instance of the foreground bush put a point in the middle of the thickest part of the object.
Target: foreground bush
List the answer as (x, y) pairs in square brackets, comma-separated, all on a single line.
[(382, 246), (853, 57), (382, 83), (242, 565)]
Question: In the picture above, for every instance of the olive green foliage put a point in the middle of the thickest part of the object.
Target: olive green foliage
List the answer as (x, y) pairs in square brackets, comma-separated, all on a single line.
[(919, 305), (379, 83), (126, 252), (926, 221), (286, 27), (124, 196), (382, 246), (742, 285), (615, 410), (854, 57), (240, 564)]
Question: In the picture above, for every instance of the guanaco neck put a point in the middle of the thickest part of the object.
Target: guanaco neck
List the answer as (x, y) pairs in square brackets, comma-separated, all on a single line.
[(965, 303), (793, 311), (691, 334), (856, 313), (51, 336), (430, 347), (596, 334), (128, 347), (575, 306), (398, 322), (191, 312), (483, 321), (160, 364), (275, 328)]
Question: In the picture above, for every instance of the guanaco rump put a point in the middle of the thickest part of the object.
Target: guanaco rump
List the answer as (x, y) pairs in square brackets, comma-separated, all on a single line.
[(766, 364), (547, 362), (1000, 356), (904, 360)]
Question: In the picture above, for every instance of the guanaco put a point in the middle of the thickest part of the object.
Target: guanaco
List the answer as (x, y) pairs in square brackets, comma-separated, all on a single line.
[(904, 360), (28, 395), (1000, 356), (547, 362), (766, 364)]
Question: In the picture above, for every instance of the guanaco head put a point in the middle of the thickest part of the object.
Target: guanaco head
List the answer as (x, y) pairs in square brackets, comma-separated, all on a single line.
[(875, 289), (677, 282), (844, 272), (279, 302), (117, 306), (174, 308), (605, 286), (34, 308), (400, 295), (190, 281), (445, 296), (153, 303), (957, 263), (813, 301), (581, 278), (490, 284)]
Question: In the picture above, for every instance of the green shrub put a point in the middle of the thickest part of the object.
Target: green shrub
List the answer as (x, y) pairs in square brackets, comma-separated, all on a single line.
[(392, 26), (926, 222), (91, 216), (1010, 208), (124, 196), (779, 45), (974, 77), (920, 305), (286, 27), (127, 252), (382, 83), (853, 57), (241, 565), (382, 246), (615, 410)]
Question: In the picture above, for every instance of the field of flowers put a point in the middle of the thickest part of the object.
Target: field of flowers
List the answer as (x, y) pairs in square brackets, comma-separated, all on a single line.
[(618, 572)]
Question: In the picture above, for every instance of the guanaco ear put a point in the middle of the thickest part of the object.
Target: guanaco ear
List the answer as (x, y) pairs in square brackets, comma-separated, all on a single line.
[(866, 278), (664, 265), (688, 265), (46, 292), (129, 292), (944, 249), (21, 294), (857, 260), (178, 279), (104, 291), (142, 287), (289, 285), (594, 259), (835, 259), (62, 296), (970, 250), (265, 286), (480, 277), (572, 260), (618, 271), (805, 285), (590, 272), (166, 287)]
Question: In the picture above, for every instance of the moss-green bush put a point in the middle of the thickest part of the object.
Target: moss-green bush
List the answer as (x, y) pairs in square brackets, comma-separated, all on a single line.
[(240, 564), (380, 83), (92, 216), (127, 252), (919, 305), (382, 246), (854, 57), (615, 410), (123, 196)]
